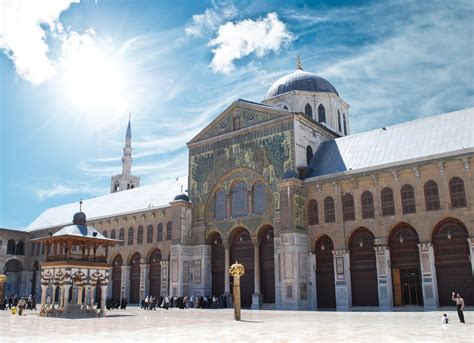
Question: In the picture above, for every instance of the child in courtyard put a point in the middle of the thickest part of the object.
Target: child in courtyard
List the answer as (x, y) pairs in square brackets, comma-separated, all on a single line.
[(445, 319)]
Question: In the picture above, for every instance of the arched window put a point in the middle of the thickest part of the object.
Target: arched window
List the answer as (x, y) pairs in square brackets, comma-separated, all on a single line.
[(348, 211), (367, 202), (321, 114), (339, 126), (149, 234), (456, 191), (159, 233), (313, 218), (431, 196), (122, 236), (408, 199), (239, 200), (169, 230), (130, 236), (20, 248), (308, 110), (329, 212), (345, 123), (11, 247), (112, 234), (220, 206), (105, 234), (388, 206), (259, 198), (140, 235), (309, 154)]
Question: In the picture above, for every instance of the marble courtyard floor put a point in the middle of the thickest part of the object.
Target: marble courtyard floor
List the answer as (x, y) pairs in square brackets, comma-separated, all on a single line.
[(256, 326)]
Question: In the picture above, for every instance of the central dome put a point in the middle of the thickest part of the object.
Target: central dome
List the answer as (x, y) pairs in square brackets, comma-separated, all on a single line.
[(300, 80)]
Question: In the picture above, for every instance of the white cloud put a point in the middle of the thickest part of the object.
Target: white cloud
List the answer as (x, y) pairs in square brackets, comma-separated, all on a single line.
[(207, 23), (243, 38), (23, 38), (61, 190)]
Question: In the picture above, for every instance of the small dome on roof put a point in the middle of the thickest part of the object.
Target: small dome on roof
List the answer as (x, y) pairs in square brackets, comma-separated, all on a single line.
[(79, 218), (300, 80), (290, 174), (181, 197)]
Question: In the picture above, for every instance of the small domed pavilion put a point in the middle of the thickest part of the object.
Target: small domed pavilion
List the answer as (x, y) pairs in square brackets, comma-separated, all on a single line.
[(75, 270)]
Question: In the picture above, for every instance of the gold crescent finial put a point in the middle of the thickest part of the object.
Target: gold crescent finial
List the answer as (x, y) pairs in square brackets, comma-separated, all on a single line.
[(298, 62)]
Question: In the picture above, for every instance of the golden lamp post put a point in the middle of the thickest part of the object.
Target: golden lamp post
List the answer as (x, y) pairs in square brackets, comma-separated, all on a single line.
[(3, 279), (237, 270)]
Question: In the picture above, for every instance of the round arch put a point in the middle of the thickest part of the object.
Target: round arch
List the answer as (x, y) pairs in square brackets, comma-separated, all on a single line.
[(135, 272), (452, 261), (12, 269), (154, 259), (242, 250), (325, 283), (363, 268), (405, 265)]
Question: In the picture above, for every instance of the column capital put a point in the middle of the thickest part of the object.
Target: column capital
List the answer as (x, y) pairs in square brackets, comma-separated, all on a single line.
[(340, 252), (255, 241), (425, 246), (226, 244), (381, 248), (380, 241)]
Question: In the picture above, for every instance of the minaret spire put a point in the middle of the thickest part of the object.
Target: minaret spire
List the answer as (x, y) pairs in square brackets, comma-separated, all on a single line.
[(298, 62)]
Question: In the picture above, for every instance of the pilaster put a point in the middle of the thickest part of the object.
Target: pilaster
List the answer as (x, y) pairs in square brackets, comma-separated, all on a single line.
[(144, 285), (428, 276), (342, 277), (384, 277)]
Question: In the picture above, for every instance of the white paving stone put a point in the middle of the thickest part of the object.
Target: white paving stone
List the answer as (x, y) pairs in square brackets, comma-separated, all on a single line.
[(257, 326)]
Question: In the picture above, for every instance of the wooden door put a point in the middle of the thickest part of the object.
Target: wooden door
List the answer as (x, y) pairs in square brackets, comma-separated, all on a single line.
[(397, 287), (242, 251), (117, 277), (135, 280), (363, 269), (325, 286), (218, 267), (267, 268)]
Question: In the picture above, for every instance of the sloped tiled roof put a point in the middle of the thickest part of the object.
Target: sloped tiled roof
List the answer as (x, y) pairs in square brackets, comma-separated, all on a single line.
[(132, 200), (417, 139)]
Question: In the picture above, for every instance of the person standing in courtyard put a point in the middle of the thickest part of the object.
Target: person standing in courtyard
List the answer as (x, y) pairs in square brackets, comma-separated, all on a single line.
[(459, 306)]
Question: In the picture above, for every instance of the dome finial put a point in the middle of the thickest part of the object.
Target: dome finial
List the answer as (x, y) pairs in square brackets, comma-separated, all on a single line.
[(80, 205), (298, 62)]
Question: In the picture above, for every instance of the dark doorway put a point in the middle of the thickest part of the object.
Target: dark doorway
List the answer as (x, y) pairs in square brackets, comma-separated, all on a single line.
[(267, 266), (452, 259), (135, 279), (242, 251), (325, 287), (363, 269), (155, 273), (217, 264), (117, 276)]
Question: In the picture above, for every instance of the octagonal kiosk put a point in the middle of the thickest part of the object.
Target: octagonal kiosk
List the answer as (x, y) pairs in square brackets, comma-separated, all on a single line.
[(75, 274)]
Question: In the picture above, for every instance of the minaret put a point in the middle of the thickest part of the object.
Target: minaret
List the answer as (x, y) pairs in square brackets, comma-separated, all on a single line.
[(125, 180)]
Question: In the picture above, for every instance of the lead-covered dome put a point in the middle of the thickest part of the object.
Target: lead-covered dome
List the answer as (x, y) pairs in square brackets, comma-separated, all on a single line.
[(300, 80)]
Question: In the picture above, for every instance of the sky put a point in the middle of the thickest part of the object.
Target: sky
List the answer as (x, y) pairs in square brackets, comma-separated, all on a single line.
[(71, 72)]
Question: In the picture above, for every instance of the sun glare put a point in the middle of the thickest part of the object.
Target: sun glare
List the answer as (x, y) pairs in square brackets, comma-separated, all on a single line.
[(92, 82)]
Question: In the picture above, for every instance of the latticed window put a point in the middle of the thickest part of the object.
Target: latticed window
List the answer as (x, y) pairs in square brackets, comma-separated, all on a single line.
[(367, 202), (112, 234), (159, 232), (140, 235), (456, 191), (313, 218), (388, 205), (105, 233), (169, 230), (220, 206), (130, 236), (329, 212), (348, 211), (431, 196), (149, 234), (122, 236), (408, 199)]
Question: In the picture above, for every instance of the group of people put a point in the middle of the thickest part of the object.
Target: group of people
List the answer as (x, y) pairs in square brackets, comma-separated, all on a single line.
[(151, 302), (14, 303), (114, 303)]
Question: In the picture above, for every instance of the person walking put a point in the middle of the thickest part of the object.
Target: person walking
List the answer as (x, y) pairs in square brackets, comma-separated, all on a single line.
[(459, 306), (21, 306)]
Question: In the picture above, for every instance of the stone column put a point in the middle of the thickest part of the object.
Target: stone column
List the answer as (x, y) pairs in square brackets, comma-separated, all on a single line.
[(164, 278), (471, 250), (44, 289), (257, 298), (384, 277), (428, 276), (144, 272), (313, 283), (125, 283), (53, 297), (80, 289), (66, 288), (91, 296), (61, 297), (103, 298), (342, 278)]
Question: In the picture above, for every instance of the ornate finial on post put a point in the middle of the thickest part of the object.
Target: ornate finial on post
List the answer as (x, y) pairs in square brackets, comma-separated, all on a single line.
[(80, 205), (236, 270), (298, 62)]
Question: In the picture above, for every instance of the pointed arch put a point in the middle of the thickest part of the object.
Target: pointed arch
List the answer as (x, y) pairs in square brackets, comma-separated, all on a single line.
[(321, 114), (408, 199), (309, 154), (325, 284), (308, 111)]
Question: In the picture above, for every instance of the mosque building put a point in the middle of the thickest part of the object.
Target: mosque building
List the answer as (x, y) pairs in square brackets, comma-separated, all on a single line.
[(319, 217)]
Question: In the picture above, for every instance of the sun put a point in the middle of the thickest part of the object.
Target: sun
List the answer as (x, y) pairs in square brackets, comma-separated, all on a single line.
[(92, 81)]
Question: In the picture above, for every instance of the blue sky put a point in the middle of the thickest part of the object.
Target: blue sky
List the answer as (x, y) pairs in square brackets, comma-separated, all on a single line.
[(71, 71)]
